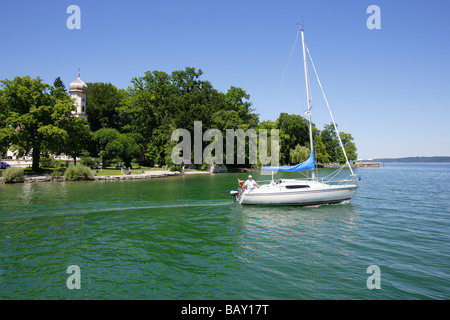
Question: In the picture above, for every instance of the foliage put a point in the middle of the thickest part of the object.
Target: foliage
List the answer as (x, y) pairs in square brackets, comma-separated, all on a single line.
[(78, 172), (115, 145), (77, 139), (56, 174), (267, 125), (294, 130), (320, 150), (349, 146), (13, 174), (332, 145), (47, 161), (158, 103), (86, 161), (137, 123), (331, 142), (299, 154), (174, 167), (34, 116), (58, 83), (103, 102)]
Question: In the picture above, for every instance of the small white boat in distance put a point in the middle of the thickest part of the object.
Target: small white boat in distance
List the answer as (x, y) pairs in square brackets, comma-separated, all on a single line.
[(309, 191)]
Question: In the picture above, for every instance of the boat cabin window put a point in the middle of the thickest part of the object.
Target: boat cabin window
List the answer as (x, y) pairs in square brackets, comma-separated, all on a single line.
[(296, 186)]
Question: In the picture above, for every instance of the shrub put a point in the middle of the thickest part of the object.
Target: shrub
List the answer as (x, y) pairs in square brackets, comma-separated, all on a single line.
[(86, 161), (174, 167), (13, 174), (56, 174), (78, 172), (47, 161)]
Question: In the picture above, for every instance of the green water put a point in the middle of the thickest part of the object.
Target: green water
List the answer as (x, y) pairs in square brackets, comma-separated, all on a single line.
[(184, 238)]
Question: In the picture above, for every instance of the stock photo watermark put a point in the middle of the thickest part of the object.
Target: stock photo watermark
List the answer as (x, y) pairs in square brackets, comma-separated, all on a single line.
[(213, 152), (374, 20), (74, 20), (74, 280), (374, 281)]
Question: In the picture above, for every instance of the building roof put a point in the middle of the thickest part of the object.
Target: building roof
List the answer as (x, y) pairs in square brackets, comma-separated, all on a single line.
[(78, 85)]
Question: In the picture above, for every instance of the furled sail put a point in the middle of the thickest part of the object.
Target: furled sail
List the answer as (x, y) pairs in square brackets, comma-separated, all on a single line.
[(307, 165)]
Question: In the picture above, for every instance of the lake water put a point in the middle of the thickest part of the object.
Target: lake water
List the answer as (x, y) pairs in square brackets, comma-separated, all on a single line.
[(185, 238)]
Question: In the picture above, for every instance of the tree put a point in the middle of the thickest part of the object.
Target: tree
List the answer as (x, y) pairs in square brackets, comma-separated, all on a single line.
[(58, 83), (6, 130), (333, 147), (78, 137), (145, 110), (330, 141), (299, 154), (320, 150), (349, 146), (268, 126), (294, 130), (103, 101), (158, 103), (115, 145), (32, 116)]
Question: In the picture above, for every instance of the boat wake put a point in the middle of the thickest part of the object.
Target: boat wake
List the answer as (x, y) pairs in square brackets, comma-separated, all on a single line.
[(93, 208), (212, 203)]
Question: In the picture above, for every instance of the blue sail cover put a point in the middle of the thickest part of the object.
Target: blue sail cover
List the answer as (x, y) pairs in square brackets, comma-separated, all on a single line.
[(307, 165)]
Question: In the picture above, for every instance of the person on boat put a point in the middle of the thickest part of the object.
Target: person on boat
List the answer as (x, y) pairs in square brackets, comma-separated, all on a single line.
[(250, 183)]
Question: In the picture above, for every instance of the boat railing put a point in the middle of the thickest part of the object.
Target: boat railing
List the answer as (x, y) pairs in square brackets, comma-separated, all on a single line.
[(352, 179)]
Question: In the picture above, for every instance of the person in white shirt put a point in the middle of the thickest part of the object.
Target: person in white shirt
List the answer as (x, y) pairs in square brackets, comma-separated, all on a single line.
[(250, 183)]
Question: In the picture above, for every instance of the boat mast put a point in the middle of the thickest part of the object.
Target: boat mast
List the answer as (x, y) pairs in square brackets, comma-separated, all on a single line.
[(331, 115), (308, 113)]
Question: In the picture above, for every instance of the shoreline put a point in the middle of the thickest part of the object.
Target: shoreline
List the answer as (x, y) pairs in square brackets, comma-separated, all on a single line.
[(121, 177), (155, 174)]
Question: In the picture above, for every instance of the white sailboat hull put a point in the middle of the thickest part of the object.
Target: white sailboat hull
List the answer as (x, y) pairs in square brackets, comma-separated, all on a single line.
[(295, 193)]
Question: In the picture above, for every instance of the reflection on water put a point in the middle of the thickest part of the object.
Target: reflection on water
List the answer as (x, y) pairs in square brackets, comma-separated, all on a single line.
[(303, 242), (301, 220)]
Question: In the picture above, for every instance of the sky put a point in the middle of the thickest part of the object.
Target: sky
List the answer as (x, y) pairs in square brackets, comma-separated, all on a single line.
[(388, 87)]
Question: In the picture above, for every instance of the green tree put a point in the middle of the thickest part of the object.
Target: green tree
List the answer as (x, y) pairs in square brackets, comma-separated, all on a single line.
[(349, 146), (78, 137), (115, 145), (294, 130), (333, 147), (145, 110), (32, 116), (6, 130), (329, 139), (58, 83), (299, 154), (103, 102), (320, 150), (235, 112), (158, 103), (267, 125)]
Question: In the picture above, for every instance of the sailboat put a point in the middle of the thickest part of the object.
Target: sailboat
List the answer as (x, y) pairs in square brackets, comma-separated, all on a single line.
[(308, 191)]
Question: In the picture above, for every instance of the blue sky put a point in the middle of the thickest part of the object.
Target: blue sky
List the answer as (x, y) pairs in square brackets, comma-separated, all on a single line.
[(389, 88)]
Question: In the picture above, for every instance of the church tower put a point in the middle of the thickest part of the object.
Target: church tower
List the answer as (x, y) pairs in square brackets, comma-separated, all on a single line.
[(78, 91)]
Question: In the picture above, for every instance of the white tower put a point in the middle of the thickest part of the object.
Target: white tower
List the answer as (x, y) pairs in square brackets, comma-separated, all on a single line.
[(78, 91)]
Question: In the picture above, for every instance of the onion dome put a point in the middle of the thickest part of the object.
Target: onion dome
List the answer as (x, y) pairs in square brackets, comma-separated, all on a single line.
[(78, 85)]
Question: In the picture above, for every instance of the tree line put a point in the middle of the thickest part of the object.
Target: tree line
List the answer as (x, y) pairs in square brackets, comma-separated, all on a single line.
[(136, 123)]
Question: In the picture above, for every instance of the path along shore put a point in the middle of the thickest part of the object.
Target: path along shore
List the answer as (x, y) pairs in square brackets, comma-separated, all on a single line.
[(146, 175)]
